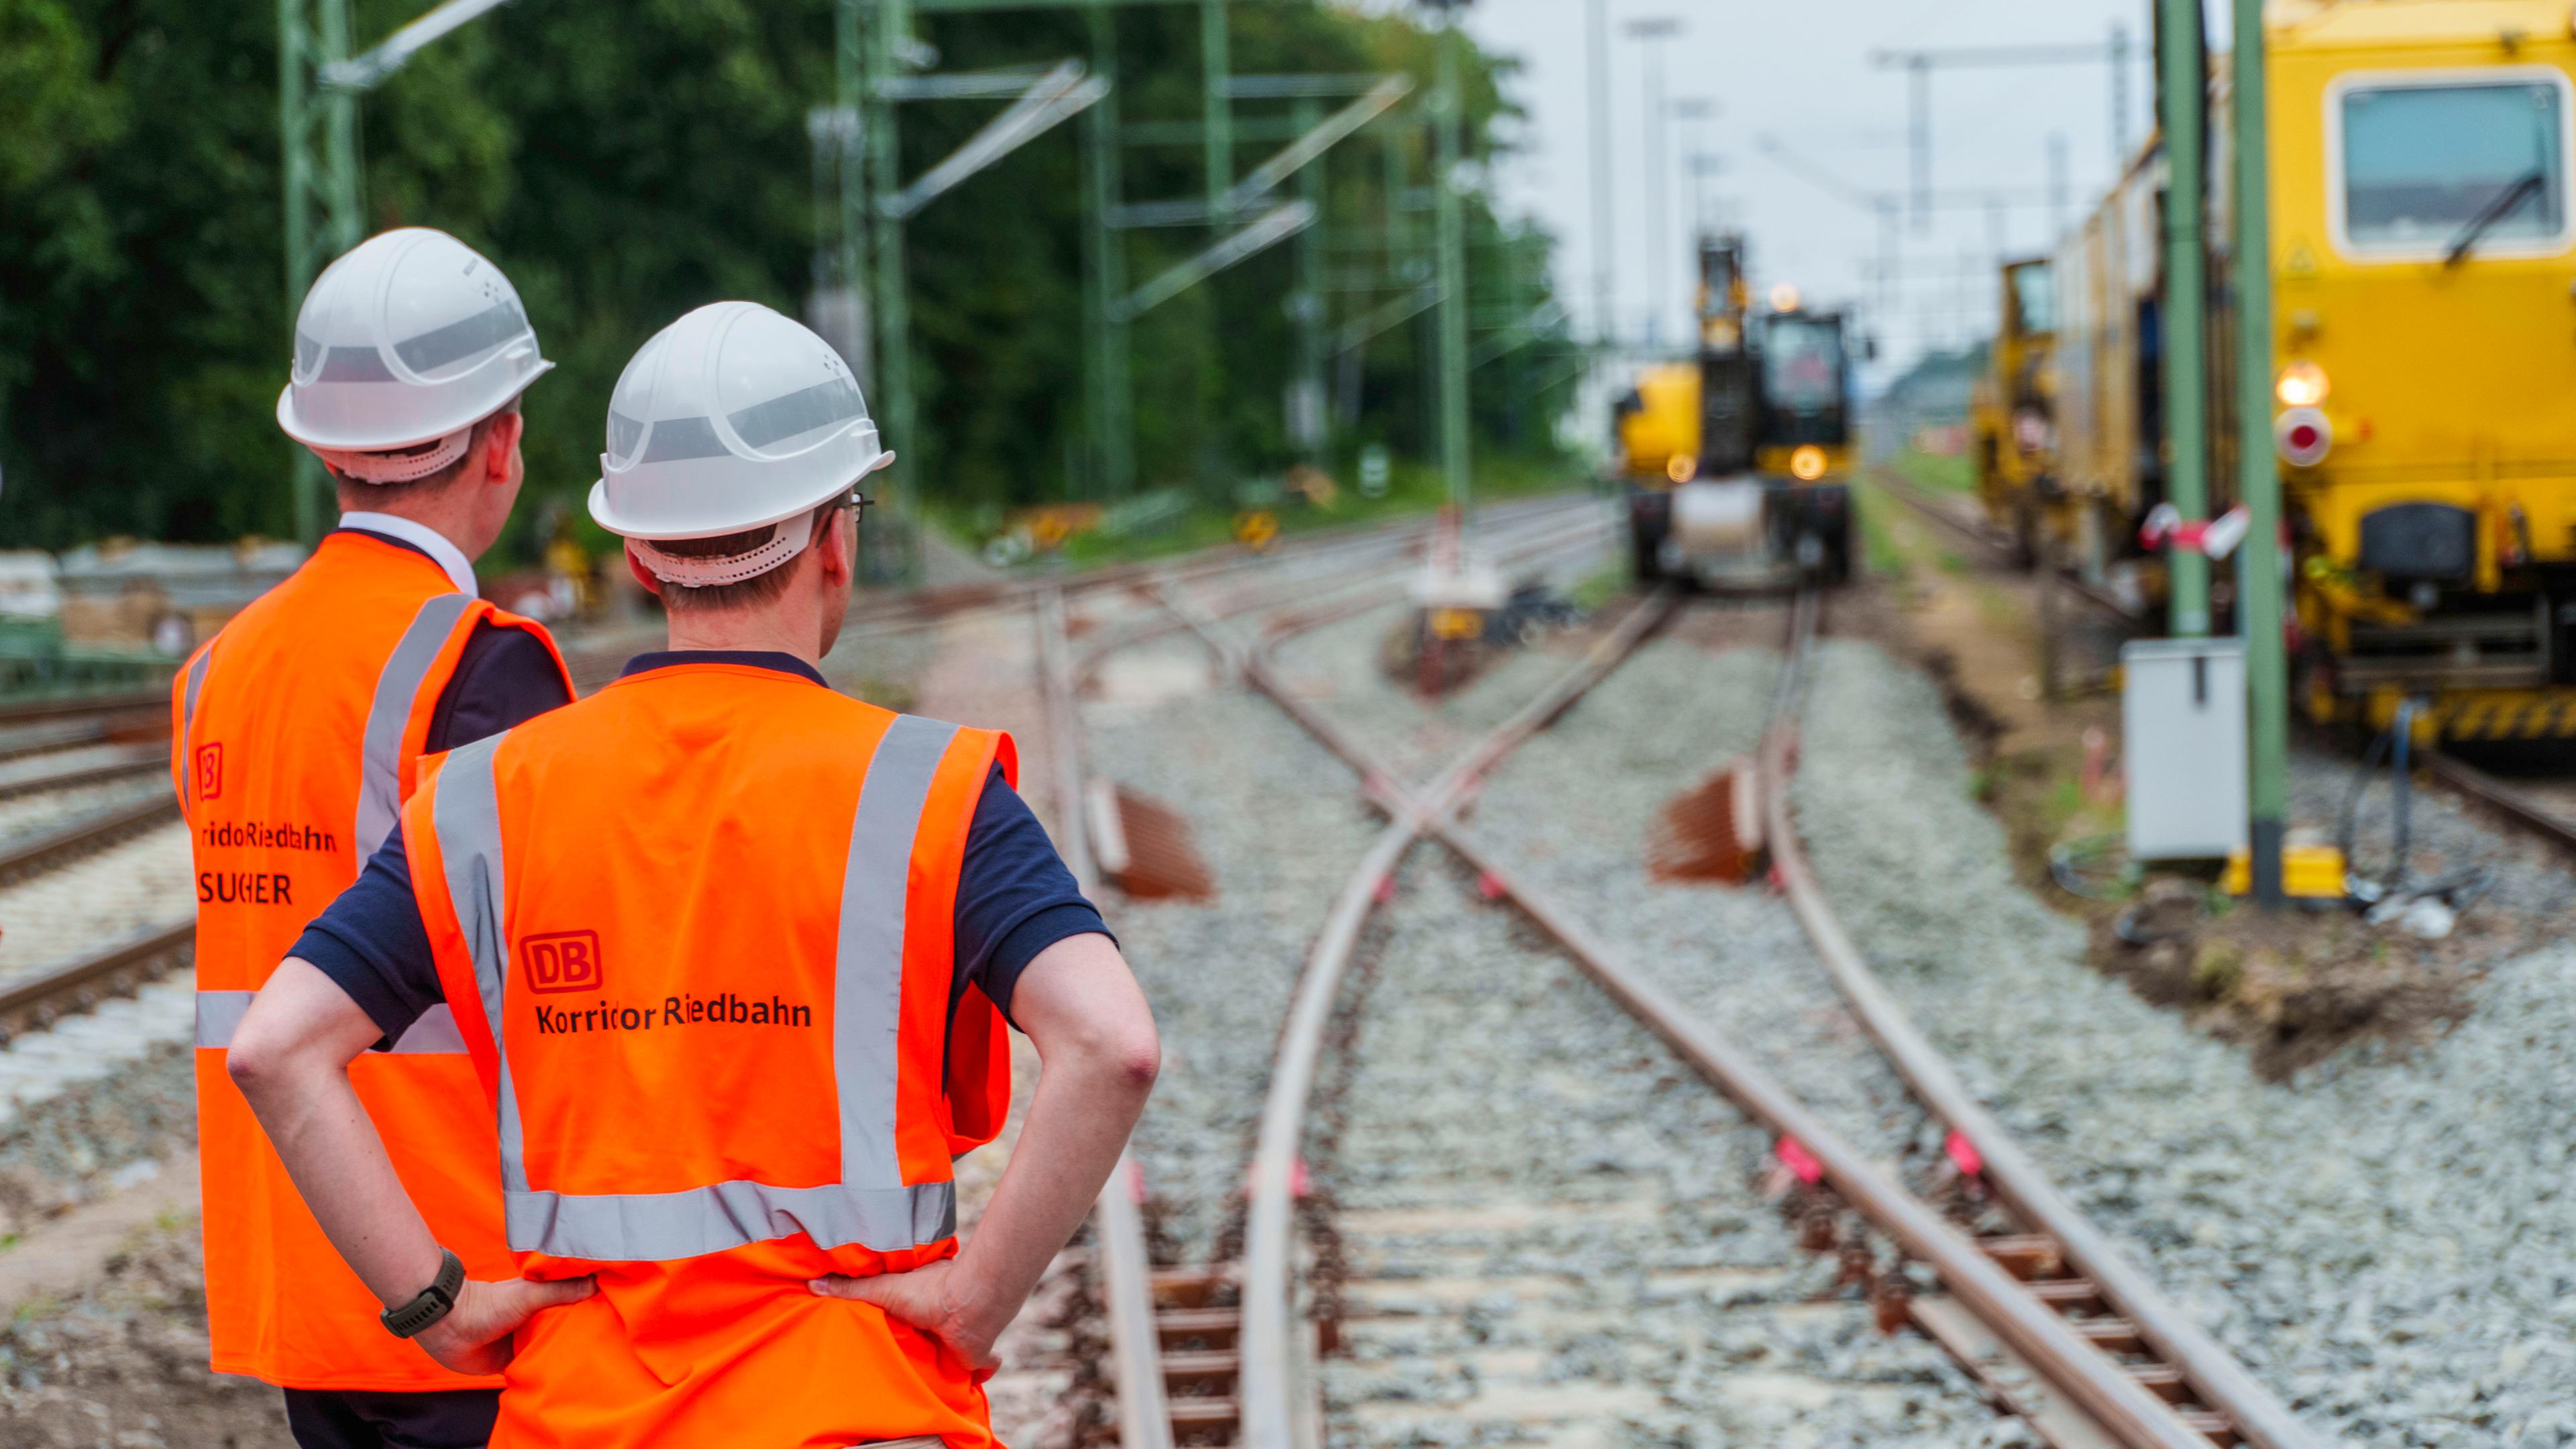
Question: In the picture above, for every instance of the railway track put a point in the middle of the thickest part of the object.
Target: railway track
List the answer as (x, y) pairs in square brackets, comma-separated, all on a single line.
[(80, 765), (1997, 544), (2045, 1315), (1174, 1331), (2526, 810)]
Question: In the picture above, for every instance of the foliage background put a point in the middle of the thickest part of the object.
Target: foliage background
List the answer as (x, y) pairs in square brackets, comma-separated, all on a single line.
[(624, 162)]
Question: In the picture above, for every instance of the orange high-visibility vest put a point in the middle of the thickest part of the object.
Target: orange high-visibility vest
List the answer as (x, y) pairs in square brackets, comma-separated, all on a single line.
[(297, 732), (698, 934)]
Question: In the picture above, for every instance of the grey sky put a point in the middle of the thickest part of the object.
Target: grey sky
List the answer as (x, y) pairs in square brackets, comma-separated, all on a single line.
[(1800, 72)]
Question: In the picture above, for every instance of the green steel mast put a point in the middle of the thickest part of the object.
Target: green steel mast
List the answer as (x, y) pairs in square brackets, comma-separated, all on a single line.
[(2183, 84), (2258, 483), (1446, 115)]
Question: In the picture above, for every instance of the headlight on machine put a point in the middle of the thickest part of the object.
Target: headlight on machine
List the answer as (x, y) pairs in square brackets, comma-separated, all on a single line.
[(2030, 430), (2303, 435), (1681, 467), (2302, 384), (1807, 464)]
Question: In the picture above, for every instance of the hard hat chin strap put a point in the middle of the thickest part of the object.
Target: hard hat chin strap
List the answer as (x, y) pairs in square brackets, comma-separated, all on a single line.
[(406, 465), (707, 573)]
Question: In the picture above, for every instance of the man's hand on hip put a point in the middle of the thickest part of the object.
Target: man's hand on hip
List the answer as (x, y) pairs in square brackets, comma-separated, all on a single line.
[(931, 1298), (474, 1337)]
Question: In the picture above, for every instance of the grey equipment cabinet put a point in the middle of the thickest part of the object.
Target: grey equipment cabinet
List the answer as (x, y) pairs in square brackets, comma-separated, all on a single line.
[(2182, 711)]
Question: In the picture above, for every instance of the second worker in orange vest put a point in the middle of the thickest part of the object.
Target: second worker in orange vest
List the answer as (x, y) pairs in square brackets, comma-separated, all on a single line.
[(297, 734), (723, 945)]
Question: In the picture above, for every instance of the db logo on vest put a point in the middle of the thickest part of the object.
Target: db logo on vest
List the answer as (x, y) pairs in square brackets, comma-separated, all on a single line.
[(210, 771), (561, 961)]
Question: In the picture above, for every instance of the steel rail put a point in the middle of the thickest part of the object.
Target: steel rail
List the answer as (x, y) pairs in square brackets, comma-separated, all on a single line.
[(56, 991), (1118, 1229), (58, 706), (39, 853), (1266, 1384), (20, 741), (2214, 1373), (1144, 1410), (2495, 794)]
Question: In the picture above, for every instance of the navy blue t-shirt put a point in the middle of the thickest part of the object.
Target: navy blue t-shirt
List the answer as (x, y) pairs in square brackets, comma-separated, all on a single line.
[(1015, 898), (504, 676)]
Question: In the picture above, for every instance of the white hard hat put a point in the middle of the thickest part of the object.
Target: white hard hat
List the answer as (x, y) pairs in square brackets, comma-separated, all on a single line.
[(729, 419), (410, 339)]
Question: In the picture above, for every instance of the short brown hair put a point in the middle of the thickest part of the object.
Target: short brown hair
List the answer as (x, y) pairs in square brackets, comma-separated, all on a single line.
[(760, 588), (359, 493)]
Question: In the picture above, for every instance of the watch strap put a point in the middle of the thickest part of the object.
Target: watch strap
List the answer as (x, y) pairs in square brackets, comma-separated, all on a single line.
[(431, 1303)]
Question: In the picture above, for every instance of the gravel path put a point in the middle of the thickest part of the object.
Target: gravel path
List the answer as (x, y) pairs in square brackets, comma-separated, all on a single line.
[(1555, 1231), (124, 1365), (2387, 1241)]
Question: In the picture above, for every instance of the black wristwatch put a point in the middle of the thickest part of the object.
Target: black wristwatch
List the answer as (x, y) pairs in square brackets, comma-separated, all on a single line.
[(431, 1303)]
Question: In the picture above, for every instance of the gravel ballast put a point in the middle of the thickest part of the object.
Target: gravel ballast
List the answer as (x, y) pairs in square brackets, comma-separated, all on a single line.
[(23, 817), (1552, 1224), (48, 918), (2386, 1240), (1571, 812)]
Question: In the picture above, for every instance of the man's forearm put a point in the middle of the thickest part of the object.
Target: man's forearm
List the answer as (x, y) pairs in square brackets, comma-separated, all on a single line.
[(296, 1077), (1077, 1124)]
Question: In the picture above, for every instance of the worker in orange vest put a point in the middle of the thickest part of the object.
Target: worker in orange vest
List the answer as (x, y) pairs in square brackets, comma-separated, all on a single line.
[(731, 952), (297, 734)]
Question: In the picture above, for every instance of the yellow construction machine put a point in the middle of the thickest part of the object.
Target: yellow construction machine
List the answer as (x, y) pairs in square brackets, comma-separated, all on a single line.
[(1737, 462), (2012, 416)]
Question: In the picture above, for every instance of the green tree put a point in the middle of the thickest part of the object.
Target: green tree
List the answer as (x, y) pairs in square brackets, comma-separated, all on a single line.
[(625, 163)]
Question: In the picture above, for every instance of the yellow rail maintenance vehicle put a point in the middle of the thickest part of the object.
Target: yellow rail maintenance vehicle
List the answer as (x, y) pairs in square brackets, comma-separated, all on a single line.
[(1737, 463), (2012, 416), (2425, 356), (2423, 258)]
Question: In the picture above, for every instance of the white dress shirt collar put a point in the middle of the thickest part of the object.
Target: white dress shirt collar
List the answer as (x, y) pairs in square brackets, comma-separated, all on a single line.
[(460, 569)]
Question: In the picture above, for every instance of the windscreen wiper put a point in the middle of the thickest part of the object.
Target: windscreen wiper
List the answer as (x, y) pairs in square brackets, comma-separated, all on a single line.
[(2494, 211)]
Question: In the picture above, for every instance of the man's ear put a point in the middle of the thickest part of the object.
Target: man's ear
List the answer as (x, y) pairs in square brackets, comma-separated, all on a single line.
[(642, 574), (500, 442), (840, 545)]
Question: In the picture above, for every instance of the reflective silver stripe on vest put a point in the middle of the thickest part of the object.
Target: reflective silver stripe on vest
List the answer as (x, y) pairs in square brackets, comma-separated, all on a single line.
[(219, 1016), (871, 1207), (397, 688), (867, 979), (466, 813), (644, 1227), (196, 683), (188, 721)]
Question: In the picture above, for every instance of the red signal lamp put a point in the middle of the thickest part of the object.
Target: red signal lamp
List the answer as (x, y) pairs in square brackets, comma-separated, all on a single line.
[(2303, 436)]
